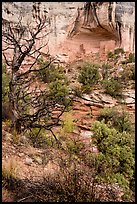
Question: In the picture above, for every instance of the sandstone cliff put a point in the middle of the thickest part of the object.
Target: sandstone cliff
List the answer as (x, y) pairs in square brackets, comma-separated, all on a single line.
[(78, 29)]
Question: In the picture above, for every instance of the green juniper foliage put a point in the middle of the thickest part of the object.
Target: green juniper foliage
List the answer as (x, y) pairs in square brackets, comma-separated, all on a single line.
[(115, 161), (5, 84), (112, 87), (106, 70), (119, 120), (89, 76), (50, 72)]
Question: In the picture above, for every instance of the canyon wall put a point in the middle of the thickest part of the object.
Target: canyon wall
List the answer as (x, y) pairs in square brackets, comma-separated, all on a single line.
[(77, 29)]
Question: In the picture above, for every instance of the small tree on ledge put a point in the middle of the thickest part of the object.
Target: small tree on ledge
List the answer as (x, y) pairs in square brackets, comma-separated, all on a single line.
[(29, 98)]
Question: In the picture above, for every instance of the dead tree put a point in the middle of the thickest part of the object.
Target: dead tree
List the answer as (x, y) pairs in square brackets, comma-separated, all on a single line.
[(31, 105)]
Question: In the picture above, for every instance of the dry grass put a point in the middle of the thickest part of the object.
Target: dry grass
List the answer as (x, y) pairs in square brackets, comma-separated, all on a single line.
[(15, 137), (10, 169)]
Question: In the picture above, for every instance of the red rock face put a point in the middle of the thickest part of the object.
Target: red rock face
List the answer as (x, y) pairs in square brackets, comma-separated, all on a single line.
[(87, 36), (85, 45), (77, 33)]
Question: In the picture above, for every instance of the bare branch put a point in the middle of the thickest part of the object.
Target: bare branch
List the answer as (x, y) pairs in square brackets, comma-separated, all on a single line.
[(7, 48), (31, 104), (37, 50), (34, 70)]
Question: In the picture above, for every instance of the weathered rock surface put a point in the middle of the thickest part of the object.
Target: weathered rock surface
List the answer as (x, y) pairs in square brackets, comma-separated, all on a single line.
[(74, 32), (129, 101), (129, 93), (86, 134), (28, 161), (87, 108), (107, 99)]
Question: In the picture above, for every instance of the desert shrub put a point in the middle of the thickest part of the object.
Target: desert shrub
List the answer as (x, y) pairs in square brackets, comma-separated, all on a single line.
[(64, 187), (115, 54), (68, 123), (74, 146), (112, 87), (59, 92), (128, 73), (5, 84), (77, 92), (131, 58), (123, 123), (106, 70), (119, 120), (115, 161), (107, 113), (86, 88), (89, 76), (110, 54), (68, 185), (50, 72), (117, 51)]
